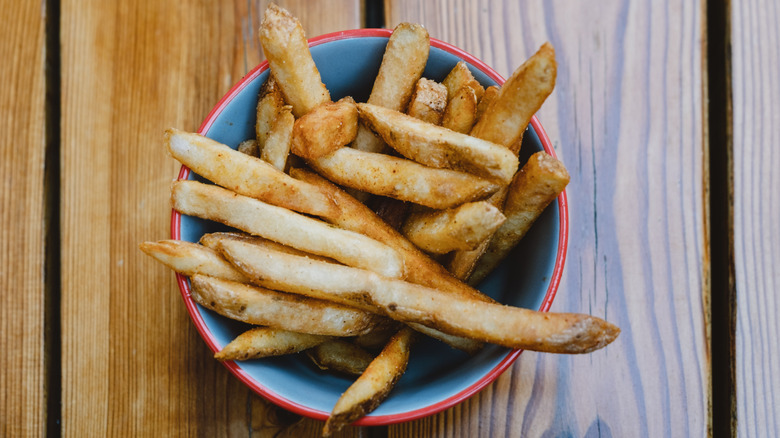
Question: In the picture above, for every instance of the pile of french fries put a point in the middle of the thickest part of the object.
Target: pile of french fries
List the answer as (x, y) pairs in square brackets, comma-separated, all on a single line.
[(314, 268)]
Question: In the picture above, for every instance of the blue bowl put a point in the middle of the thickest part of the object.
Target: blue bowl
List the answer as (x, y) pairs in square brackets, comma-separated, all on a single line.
[(438, 377)]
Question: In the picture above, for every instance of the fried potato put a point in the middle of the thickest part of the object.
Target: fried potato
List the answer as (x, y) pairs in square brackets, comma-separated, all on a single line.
[(246, 176), (249, 147), (371, 388), (260, 342), (189, 259), (521, 96), (324, 129), (277, 143), (460, 76), (463, 227), (461, 111), (402, 179), (212, 240), (285, 227), (537, 184), (260, 306), (285, 47), (428, 101), (439, 147), (270, 101), (491, 93), (508, 326), (340, 356), (377, 338)]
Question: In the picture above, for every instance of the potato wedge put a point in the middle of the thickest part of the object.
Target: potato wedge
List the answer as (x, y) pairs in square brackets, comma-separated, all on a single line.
[(428, 101), (260, 342), (491, 93), (463, 227), (460, 76), (270, 101), (340, 356), (439, 147), (285, 47), (285, 227), (249, 147), (324, 129), (374, 385), (461, 111), (279, 139), (189, 259)]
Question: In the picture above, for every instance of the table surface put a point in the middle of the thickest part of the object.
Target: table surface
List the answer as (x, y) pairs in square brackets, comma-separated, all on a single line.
[(664, 113)]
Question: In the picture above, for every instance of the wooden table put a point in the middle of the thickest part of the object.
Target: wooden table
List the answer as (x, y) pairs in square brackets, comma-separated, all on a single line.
[(665, 113)]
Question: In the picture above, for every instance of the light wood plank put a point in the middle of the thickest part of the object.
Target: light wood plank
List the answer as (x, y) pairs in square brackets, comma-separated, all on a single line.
[(22, 155), (626, 118), (755, 94), (132, 363)]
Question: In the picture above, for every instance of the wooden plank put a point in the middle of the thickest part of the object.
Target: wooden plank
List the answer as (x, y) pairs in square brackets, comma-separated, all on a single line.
[(755, 94), (626, 118), (22, 155), (132, 363)]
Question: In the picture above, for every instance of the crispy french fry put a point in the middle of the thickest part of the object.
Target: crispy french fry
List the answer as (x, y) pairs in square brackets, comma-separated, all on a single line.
[(374, 385), (189, 259), (537, 184), (277, 143), (463, 227), (285, 227), (439, 147), (340, 356), (324, 129), (270, 102), (249, 147), (511, 327), (402, 179), (245, 175), (460, 76), (211, 240), (285, 47), (377, 338), (428, 101), (521, 96), (260, 342), (491, 93), (461, 111), (260, 306)]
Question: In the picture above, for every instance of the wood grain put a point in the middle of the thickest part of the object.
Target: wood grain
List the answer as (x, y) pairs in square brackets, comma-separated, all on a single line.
[(755, 94), (132, 362), (22, 156), (626, 119)]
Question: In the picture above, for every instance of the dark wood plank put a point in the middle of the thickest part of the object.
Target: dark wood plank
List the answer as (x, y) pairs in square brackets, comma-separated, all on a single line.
[(626, 118)]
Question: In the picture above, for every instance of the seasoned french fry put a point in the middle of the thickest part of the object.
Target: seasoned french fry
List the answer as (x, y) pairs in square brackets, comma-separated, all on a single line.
[(491, 93), (402, 179), (460, 76), (373, 386), (377, 338), (439, 147), (463, 227), (189, 259), (324, 129), (285, 47), (260, 342), (537, 184), (249, 147), (246, 175), (340, 356), (285, 227), (521, 96), (270, 102), (212, 240), (461, 111), (428, 101), (511, 327), (277, 143)]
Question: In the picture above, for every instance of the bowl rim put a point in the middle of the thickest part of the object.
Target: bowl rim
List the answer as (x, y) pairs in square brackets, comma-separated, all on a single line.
[(369, 420)]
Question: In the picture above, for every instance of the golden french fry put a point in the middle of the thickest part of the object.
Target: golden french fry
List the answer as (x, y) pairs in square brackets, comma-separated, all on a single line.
[(249, 147), (374, 385), (460, 228), (461, 111), (377, 338), (439, 147), (521, 96), (245, 175), (324, 129), (511, 327), (211, 240), (402, 179), (285, 227), (260, 306), (428, 101), (340, 356), (460, 76), (277, 143), (491, 93), (189, 259), (260, 342), (270, 102), (537, 184), (285, 47)]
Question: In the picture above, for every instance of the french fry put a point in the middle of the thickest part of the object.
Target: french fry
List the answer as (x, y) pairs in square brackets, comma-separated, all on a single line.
[(428, 101), (260, 342), (285, 46), (439, 147), (249, 147), (285, 227), (374, 385), (491, 93), (402, 179), (377, 338), (260, 306), (460, 76), (460, 228), (324, 129), (270, 101), (340, 356), (277, 143), (508, 326), (189, 259), (521, 96), (537, 184), (461, 111), (211, 240), (246, 175)]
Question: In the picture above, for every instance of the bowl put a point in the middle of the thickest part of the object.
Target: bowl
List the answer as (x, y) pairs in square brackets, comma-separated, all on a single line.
[(437, 377)]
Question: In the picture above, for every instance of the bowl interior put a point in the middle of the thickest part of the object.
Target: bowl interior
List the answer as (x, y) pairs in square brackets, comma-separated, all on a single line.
[(437, 376)]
